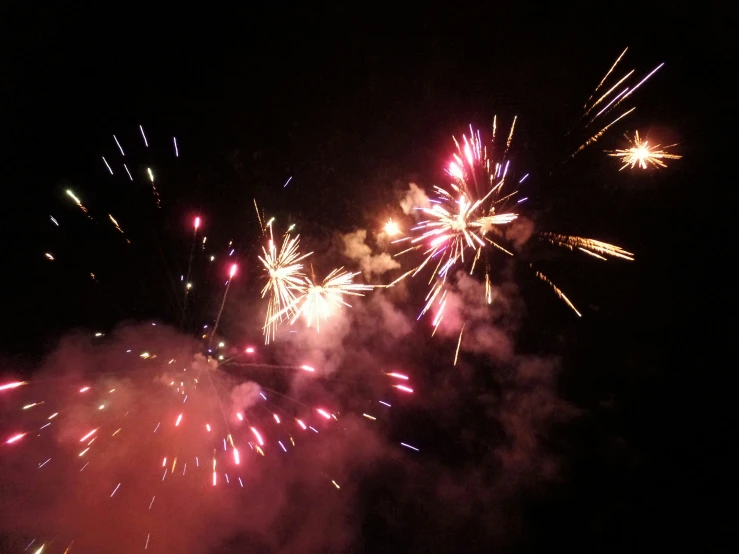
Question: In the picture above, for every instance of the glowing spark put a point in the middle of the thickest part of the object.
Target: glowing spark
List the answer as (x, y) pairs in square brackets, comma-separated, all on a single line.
[(403, 388), (324, 413), (164, 462), (307, 368), (148, 536), (391, 228), (249, 350), (215, 479), (335, 484), (197, 223), (286, 182), (52, 416), (76, 201), (557, 291), (119, 145), (115, 223), (46, 462), (157, 427), (108, 166), (369, 417), (143, 135), (459, 343), (152, 502), (54, 220), (282, 446), (384, 403), (277, 418), (83, 452), (207, 426), (130, 177), (237, 461), (409, 446), (114, 490), (231, 274), (176, 151), (15, 438), (241, 418), (398, 376), (117, 431), (259, 437), (593, 247), (13, 385), (88, 435), (151, 175), (643, 154), (301, 424)]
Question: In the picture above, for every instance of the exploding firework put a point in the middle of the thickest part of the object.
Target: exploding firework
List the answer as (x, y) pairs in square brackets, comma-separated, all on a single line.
[(643, 154), (285, 279), (315, 302)]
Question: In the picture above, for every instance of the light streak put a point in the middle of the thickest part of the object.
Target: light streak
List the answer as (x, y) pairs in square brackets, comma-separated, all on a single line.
[(403, 388), (115, 489), (13, 385), (146, 143), (106, 165), (369, 417), (286, 182), (88, 435), (282, 446), (307, 368), (54, 220), (259, 437), (384, 403), (335, 484), (398, 376), (642, 154), (46, 462), (179, 418), (324, 413), (119, 145), (237, 460), (130, 177), (176, 151), (409, 446)]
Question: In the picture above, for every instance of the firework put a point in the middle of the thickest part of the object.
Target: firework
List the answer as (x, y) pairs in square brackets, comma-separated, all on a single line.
[(595, 248), (285, 279), (643, 154), (391, 228), (318, 301)]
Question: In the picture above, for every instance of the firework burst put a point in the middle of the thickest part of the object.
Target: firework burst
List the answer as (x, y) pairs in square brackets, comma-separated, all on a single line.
[(318, 301), (643, 154), (285, 278)]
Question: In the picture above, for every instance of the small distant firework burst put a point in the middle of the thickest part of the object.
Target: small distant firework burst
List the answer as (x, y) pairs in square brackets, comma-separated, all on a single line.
[(643, 154), (285, 279)]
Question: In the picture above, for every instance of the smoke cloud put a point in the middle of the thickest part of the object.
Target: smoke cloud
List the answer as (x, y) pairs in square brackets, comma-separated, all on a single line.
[(356, 249), (413, 199)]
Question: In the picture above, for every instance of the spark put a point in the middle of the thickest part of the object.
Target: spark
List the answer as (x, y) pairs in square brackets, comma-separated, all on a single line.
[(118, 227), (237, 460), (259, 437), (215, 479), (301, 424), (152, 502), (324, 413), (207, 427), (13, 385), (398, 376), (15, 438), (43, 464), (54, 220), (240, 417), (148, 536), (557, 291), (44, 426), (157, 427), (106, 165), (164, 475), (176, 151), (335, 484), (385, 403), (286, 182), (312, 429), (593, 247), (119, 145), (369, 417), (307, 368), (276, 417), (114, 490), (197, 223), (231, 273), (409, 446), (40, 549), (459, 343), (88, 435), (143, 135), (642, 154), (240, 483), (249, 350), (84, 466), (130, 177), (285, 279), (52, 416), (391, 228), (77, 201), (117, 431), (85, 389), (403, 388)]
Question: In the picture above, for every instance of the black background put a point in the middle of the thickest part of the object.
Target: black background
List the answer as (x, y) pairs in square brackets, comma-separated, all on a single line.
[(352, 102)]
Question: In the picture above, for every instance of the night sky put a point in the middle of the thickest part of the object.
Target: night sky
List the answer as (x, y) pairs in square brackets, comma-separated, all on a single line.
[(354, 104)]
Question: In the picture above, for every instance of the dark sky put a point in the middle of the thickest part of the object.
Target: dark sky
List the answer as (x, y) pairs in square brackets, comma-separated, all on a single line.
[(353, 103)]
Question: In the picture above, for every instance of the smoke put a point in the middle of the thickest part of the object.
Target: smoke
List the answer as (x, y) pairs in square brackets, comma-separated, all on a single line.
[(171, 406), (245, 395), (414, 198), (519, 231), (356, 249)]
